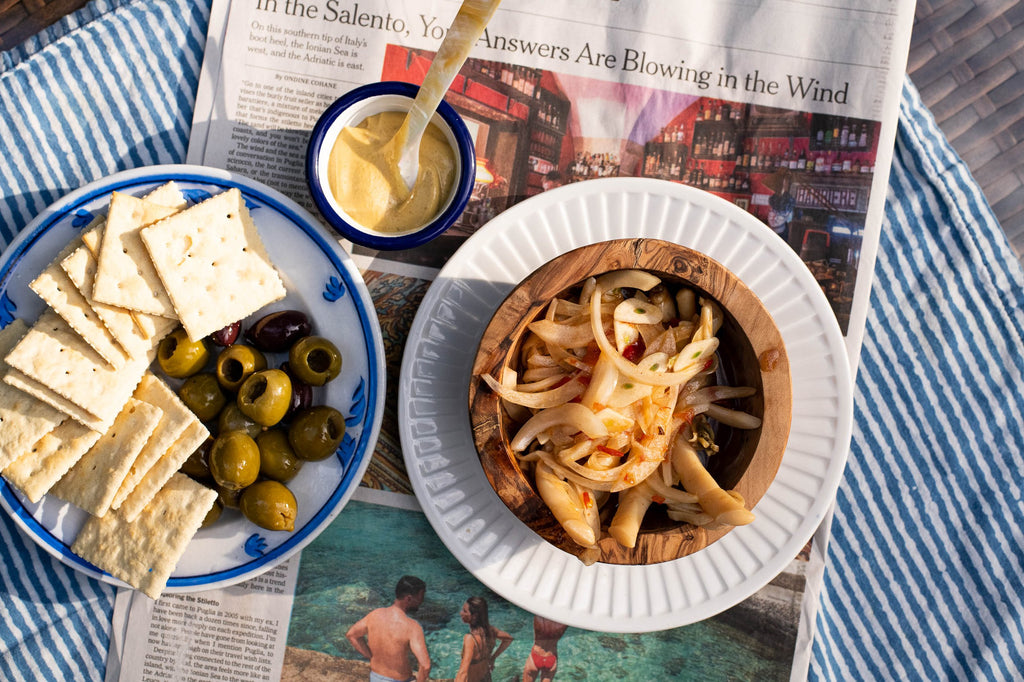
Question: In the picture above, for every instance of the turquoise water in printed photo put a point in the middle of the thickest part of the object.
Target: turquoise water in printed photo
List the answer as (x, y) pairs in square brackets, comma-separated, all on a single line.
[(352, 568)]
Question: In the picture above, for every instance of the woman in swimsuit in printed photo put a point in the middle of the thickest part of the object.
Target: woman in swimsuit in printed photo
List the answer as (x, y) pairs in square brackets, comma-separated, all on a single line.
[(542, 663), (478, 647)]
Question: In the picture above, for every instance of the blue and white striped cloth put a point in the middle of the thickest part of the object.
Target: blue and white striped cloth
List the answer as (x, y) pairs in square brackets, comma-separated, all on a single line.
[(925, 562)]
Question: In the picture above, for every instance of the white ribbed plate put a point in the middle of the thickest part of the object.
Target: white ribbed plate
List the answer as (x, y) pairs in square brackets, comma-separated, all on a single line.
[(442, 461)]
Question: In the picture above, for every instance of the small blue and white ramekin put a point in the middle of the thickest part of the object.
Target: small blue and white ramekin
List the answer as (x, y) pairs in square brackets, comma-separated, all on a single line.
[(350, 110)]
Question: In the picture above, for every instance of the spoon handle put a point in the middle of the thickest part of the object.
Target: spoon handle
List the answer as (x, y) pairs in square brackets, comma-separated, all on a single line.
[(462, 35)]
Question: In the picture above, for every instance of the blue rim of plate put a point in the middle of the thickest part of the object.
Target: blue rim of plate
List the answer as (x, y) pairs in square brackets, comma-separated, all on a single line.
[(358, 457), (405, 240)]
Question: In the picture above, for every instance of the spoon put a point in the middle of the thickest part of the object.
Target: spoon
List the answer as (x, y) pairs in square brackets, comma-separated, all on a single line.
[(463, 33)]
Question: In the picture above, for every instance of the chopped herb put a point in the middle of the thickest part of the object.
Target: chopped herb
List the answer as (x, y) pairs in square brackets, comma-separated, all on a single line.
[(628, 385), (696, 355), (639, 311), (655, 366)]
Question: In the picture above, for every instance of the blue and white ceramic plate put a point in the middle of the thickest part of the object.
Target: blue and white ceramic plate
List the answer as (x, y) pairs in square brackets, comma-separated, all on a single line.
[(321, 280)]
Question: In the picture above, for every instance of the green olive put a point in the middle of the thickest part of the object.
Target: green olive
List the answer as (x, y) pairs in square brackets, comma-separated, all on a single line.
[(277, 459), (316, 432), (234, 460), (270, 505), (232, 419), (236, 363), (214, 514), (315, 360), (265, 396), (196, 465), (228, 499), (178, 357), (202, 394)]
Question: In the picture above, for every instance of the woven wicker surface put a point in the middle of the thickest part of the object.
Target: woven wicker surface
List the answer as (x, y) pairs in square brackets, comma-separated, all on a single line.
[(20, 19), (966, 58)]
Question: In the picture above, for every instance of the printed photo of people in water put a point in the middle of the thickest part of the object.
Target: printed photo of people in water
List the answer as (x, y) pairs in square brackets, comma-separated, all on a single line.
[(807, 176), (378, 592)]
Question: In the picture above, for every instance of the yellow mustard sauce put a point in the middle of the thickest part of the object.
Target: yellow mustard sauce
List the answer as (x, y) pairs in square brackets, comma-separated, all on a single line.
[(362, 172)]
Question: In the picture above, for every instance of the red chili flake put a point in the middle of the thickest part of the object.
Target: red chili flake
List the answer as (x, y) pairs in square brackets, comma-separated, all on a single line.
[(610, 451), (592, 354), (707, 364), (587, 501), (635, 350), (657, 499)]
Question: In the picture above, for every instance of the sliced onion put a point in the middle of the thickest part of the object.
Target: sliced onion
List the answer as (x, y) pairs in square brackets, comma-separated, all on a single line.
[(740, 420), (587, 290), (541, 360), (615, 421), (577, 451), (637, 311), (571, 414), (538, 373), (541, 400), (655, 362), (567, 308), (686, 302), (567, 336), (541, 384), (659, 340), (693, 518), (692, 358), (602, 382), (625, 335), (705, 324), (671, 495), (627, 393), (712, 394), (625, 366), (632, 279), (577, 473)]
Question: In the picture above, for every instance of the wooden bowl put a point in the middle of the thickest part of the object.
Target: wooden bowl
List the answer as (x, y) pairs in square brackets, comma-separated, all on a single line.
[(751, 353)]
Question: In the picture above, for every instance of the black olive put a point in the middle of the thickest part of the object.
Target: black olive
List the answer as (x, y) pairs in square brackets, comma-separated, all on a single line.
[(276, 332)]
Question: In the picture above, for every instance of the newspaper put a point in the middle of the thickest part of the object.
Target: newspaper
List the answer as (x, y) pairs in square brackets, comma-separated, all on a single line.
[(786, 109)]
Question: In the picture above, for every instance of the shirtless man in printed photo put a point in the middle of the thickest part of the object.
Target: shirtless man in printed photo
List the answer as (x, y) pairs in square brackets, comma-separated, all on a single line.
[(387, 636)]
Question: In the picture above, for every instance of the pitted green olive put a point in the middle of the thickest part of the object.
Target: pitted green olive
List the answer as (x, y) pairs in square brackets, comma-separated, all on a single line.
[(315, 360), (196, 465), (232, 419), (270, 505), (201, 393), (178, 357), (236, 363), (227, 498), (277, 459), (316, 432), (234, 460), (265, 396)]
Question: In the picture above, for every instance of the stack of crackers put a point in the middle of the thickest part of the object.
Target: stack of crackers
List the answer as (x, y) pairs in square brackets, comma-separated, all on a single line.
[(82, 417)]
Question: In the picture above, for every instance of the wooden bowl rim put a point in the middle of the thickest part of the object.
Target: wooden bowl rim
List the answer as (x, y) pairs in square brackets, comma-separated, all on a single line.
[(531, 295)]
